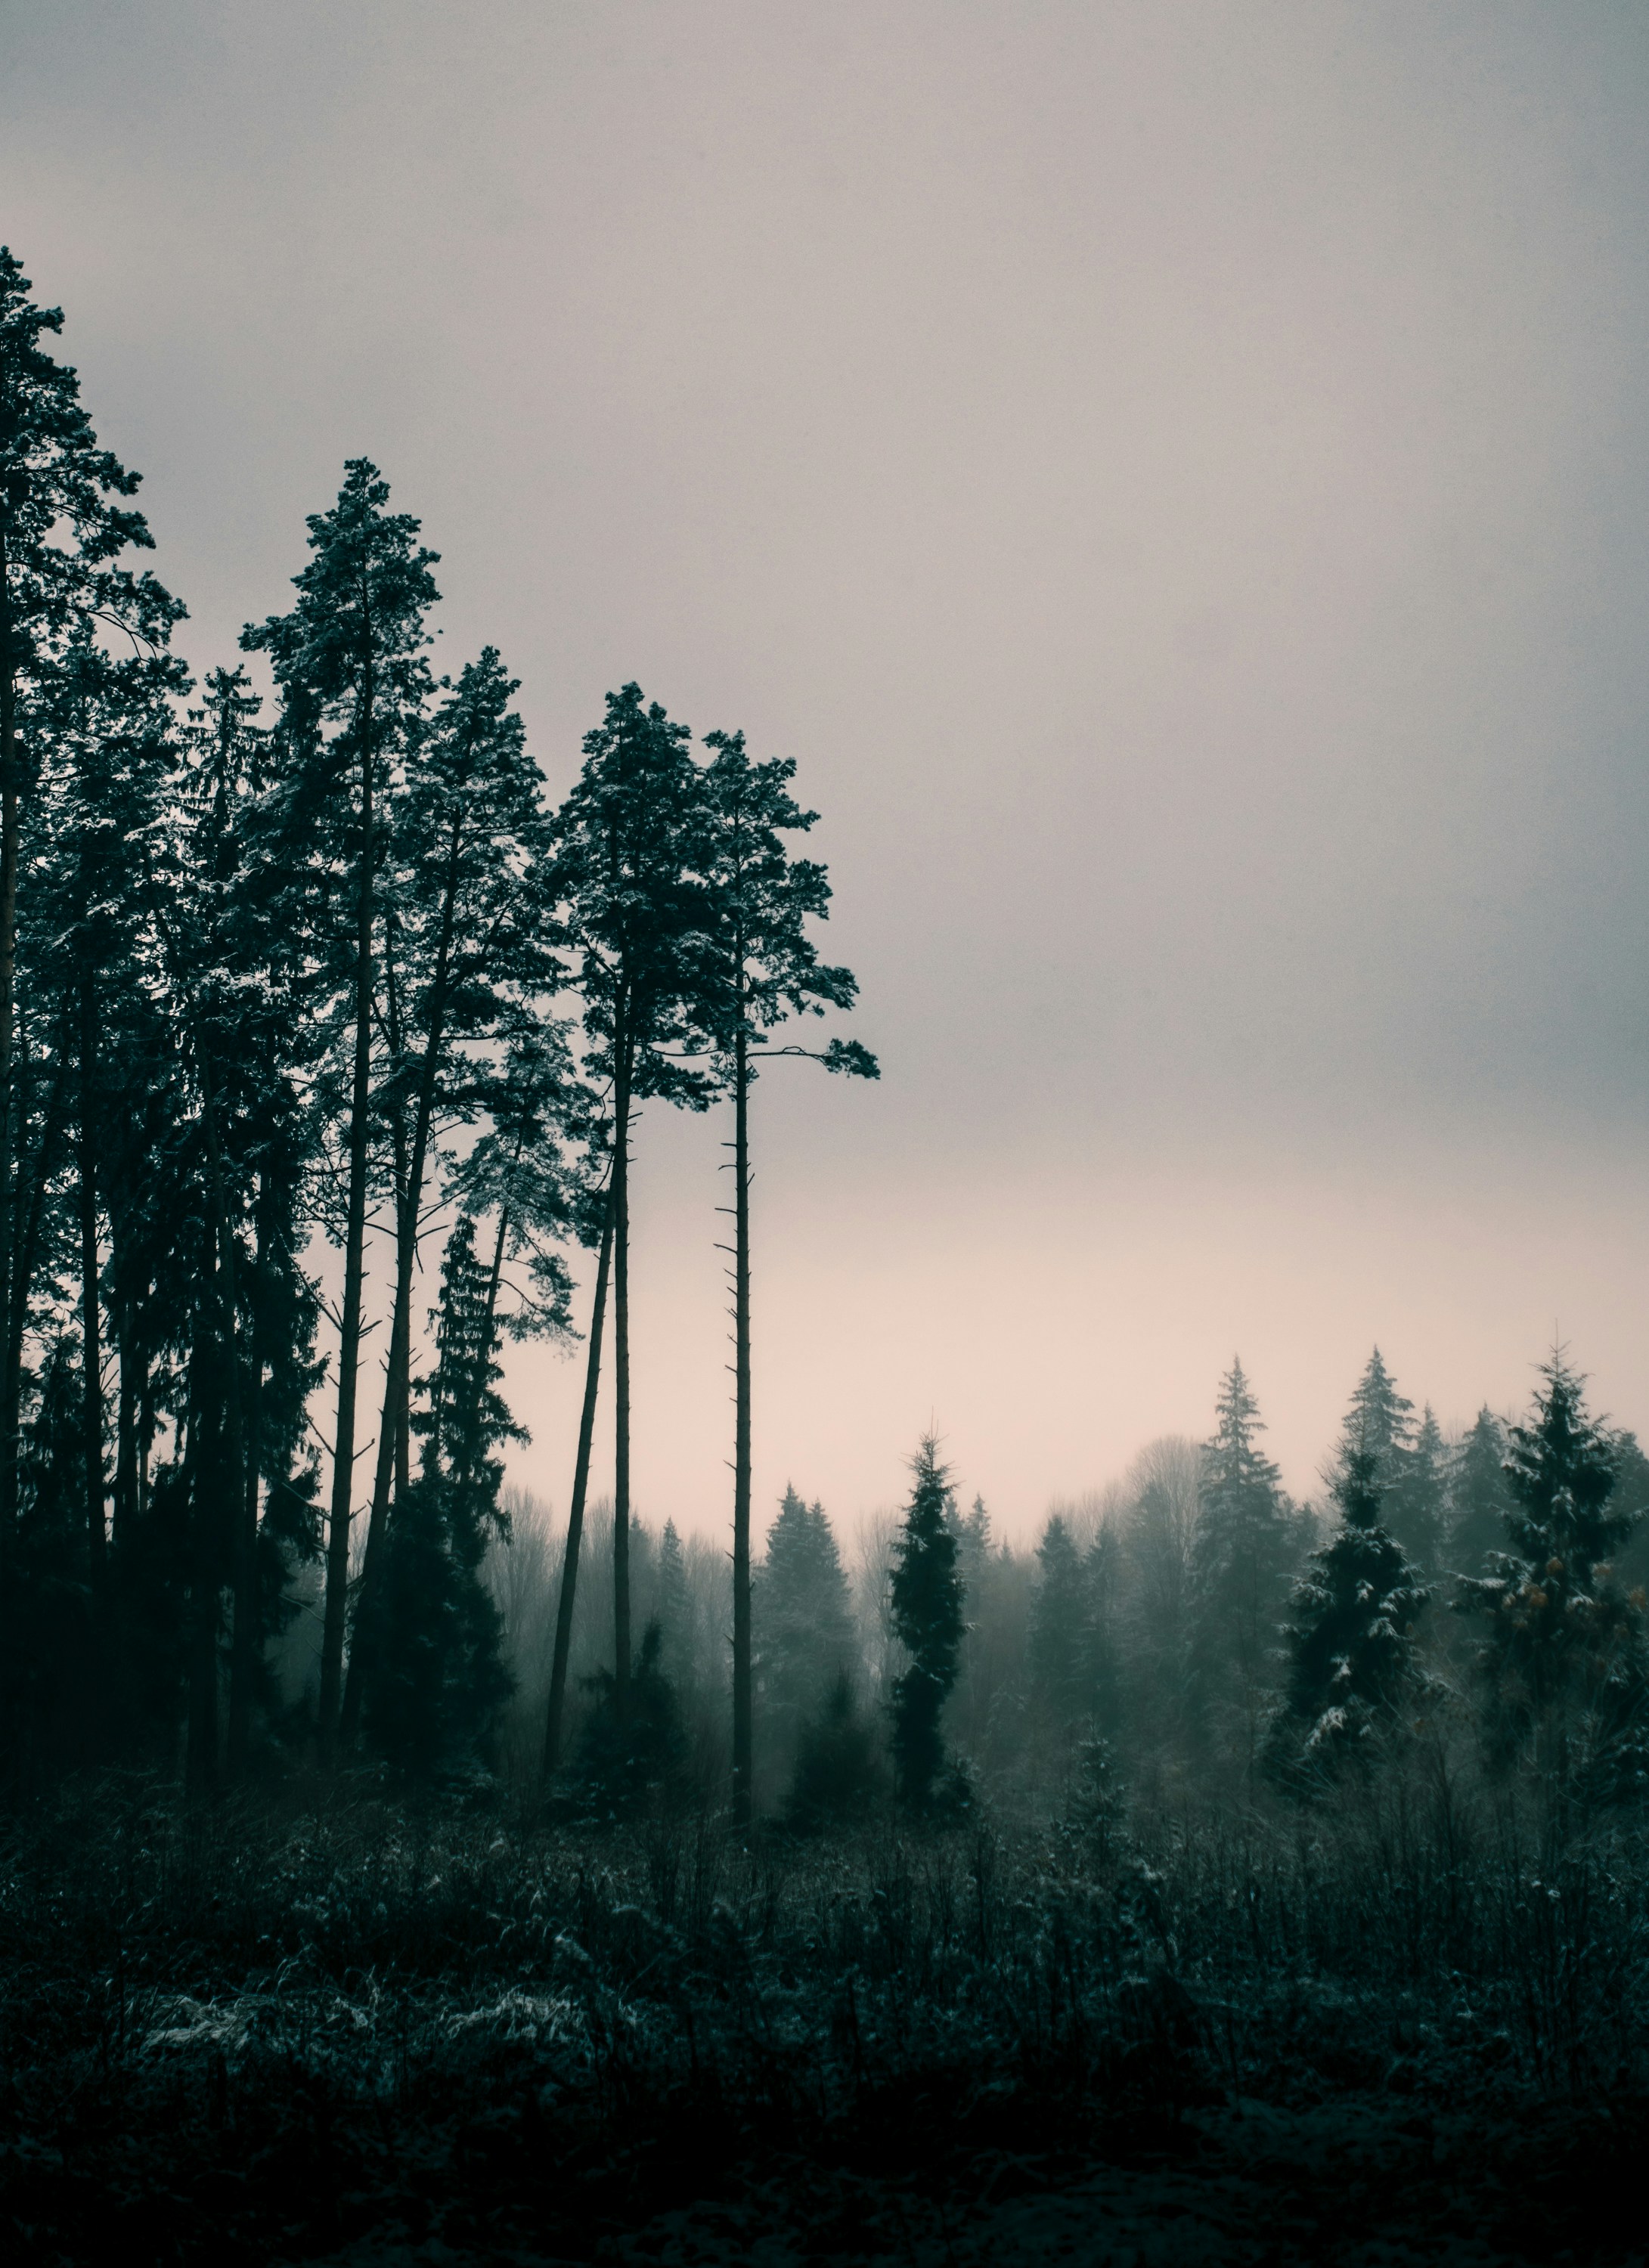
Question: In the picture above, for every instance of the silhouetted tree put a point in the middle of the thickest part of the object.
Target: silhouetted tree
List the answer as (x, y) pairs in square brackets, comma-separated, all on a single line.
[(927, 1611), (1353, 1665), (1562, 1658), (350, 655), (764, 969)]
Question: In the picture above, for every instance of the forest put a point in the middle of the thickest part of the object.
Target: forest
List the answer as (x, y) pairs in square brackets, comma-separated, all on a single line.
[(396, 1867)]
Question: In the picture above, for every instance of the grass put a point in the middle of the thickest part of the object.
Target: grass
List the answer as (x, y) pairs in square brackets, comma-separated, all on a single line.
[(353, 2028)]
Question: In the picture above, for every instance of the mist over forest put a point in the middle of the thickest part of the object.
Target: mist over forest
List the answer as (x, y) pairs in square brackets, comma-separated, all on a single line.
[(427, 1834)]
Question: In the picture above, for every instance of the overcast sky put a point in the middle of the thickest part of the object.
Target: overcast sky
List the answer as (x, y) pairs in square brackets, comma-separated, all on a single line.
[(1175, 476)]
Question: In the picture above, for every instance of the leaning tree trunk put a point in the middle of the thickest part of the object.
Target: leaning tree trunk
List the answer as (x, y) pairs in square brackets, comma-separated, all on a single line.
[(392, 1458), (575, 1515), (8, 1412), (91, 1358), (621, 1379), (741, 1678), (354, 1249)]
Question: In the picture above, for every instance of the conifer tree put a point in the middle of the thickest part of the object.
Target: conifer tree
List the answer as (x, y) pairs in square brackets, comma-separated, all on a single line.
[(1060, 1632), (62, 532), (1352, 1661), (350, 656), (1161, 1558), (926, 1596), (804, 1628), (1379, 1420), (1478, 1496), (467, 961), (1562, 1657), (628, 846), (765, 969), (1245, 1543), (1417, 1506), (434, 1677)]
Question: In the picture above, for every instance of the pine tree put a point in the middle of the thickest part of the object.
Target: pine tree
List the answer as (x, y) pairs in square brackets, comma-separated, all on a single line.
[(804, 1628), (1478, 1496), (350, 655), (466, 959), (1061, 1615), (62, 532), (927, 1611), (1379, 1420), (1161, 1555), (765, 969), (1353, 1665), (1563, 1659), (628, 843), (435, 1679), (1246, 1540), (1417, 1505)]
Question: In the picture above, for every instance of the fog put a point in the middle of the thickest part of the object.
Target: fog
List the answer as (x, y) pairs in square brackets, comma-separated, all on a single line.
[(1173, 476)]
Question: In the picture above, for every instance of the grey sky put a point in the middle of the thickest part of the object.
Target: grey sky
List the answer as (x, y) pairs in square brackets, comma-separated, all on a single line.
[(1173, 475)]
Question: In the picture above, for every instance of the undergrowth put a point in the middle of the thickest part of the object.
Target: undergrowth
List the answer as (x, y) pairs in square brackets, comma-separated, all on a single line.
[(263, 2032)]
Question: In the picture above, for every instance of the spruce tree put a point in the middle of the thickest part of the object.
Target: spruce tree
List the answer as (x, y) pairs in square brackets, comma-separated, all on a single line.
[(1562, 1658), (926, 1596), (1353, 1667), (1378, 1419), (1417, 1504), (1246, 1540), (434, 1677), (804, 1627), (1060, 1633), (764, 969), (1478, 1496)]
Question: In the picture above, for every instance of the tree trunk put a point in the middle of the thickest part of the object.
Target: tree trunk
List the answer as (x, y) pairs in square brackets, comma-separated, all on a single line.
[(126, 1436), (354, 1250), (25, 1258), (201, 1457), (244, 1464), (741, 1679), (9, 1413), (621, 1382), (91, 1358), (575, 1516), (392, 1433)]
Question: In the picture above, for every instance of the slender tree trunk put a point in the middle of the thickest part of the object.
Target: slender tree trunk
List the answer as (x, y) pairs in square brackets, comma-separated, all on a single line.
[(200, 1457), (245, 1410), (393, 1457), (126, 1435), (741, 1678), (25, 1257), (354, 1258), (621, 1382), (8, 1412), (575, 1516), (92, 1354)]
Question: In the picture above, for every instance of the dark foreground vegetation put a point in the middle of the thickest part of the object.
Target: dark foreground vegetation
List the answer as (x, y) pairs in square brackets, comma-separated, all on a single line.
[(361, 2032)]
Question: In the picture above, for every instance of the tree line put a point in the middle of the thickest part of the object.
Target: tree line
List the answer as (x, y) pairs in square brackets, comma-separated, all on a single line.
[(322, 971)]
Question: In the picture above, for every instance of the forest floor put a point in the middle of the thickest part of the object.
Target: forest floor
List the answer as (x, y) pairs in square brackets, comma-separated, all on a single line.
[(357, 2033)]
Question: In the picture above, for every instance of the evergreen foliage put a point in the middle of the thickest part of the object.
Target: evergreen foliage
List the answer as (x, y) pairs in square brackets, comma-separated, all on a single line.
[(927, 1609), (840, 1778), (1562, 1656), (804, 1625), (1353, 1665), (1247, 1540)]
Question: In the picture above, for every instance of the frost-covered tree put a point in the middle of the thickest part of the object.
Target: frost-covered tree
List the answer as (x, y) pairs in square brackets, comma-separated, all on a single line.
[(1352, 1663), (1562, 1658), (1478, 1496)]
